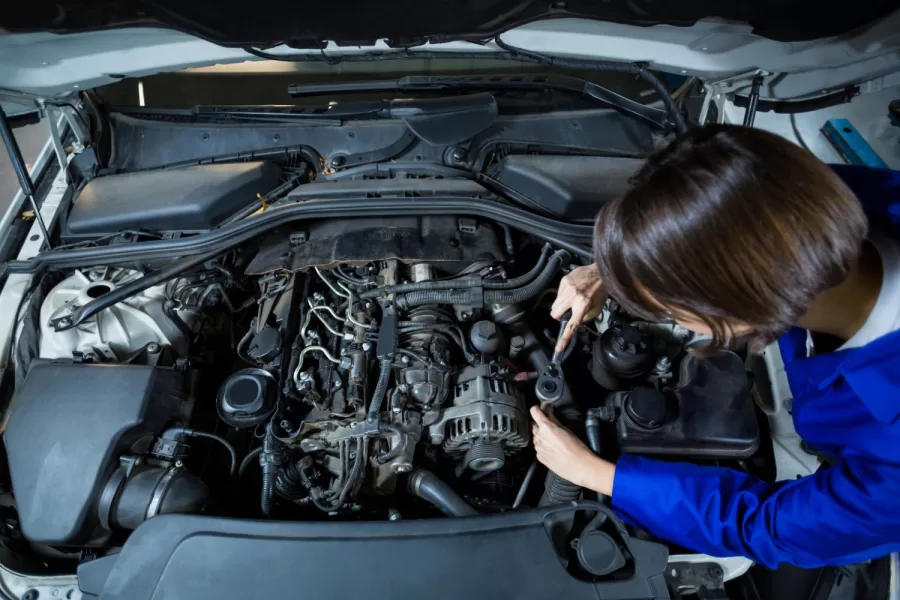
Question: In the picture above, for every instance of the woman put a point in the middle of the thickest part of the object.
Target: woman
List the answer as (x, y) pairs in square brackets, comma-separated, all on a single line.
[(737, 233)]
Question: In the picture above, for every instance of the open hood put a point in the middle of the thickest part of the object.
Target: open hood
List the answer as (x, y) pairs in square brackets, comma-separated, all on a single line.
[(411, 22), (54, 48)]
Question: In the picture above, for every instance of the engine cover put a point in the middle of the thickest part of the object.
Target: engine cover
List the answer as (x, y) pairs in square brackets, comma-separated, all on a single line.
[(69, 425)]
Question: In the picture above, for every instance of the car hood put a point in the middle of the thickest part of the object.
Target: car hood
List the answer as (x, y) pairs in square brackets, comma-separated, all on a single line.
[(54, 48)]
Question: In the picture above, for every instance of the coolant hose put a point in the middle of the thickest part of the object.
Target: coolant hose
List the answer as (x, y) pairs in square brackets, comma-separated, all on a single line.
[(491, 296), (380, 390), (427, 486)]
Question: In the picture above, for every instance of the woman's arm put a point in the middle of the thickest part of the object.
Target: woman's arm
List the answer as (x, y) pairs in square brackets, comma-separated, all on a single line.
[(840, 515)]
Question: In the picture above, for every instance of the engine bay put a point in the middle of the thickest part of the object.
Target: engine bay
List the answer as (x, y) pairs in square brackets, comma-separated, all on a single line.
[(359, 369)]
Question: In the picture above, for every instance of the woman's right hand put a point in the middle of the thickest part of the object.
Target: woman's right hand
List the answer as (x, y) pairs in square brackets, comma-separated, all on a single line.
[(581, 291)]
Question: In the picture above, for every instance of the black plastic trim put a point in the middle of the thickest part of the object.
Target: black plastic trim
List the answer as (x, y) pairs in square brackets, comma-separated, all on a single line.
[(576, 238), (523, 555)]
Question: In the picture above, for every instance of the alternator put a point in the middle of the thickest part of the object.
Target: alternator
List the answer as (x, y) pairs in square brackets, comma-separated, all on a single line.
[(488, 420)]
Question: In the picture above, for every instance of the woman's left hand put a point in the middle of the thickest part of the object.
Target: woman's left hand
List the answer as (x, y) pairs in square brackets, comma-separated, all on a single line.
[(567, 456)]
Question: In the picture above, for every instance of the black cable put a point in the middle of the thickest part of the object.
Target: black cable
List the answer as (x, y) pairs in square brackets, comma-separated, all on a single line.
[(797, 134), (248, 460), (174, 432)]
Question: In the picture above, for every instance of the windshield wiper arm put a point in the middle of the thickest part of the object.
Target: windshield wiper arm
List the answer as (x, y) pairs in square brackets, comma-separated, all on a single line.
[(489, 82)]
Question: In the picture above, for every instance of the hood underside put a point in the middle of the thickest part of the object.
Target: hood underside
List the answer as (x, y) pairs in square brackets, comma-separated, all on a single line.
[(411, 22)]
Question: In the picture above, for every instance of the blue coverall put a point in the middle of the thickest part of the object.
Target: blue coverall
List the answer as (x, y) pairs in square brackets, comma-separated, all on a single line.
[(846, 405)]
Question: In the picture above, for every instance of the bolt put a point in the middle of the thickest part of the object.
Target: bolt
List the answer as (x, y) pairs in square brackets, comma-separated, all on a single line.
[(402, 468), (394, 514), (366, 346), (152, 347), (663, 364), (343, 352), (336, 385), (178, 464), (404, 359), (458, 155), (305, 375), (285, 425), (368, 305), (337, 161)]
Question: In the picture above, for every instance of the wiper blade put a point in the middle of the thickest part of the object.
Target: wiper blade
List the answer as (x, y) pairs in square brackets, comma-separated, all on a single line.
[(489, 82)]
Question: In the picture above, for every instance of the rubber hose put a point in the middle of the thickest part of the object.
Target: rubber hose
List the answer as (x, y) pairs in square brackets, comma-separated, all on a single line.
[(512, 296), (380, 389), (455, 284), (559, 491), (592, 431), (269, 461), (395, 451), (427, 486)]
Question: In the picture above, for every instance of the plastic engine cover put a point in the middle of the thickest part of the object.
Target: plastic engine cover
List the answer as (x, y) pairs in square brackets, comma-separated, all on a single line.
[(192, 198), (69, 425)]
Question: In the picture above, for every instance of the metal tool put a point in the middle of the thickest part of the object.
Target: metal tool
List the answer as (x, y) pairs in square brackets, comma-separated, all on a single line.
[(551, 383)]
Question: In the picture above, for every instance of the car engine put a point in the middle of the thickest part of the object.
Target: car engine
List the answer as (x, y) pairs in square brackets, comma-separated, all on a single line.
[(362, 369)]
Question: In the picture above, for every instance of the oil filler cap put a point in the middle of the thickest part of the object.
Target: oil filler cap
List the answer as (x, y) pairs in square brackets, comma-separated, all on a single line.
[(247, 398), (599, 554), (646, 407)]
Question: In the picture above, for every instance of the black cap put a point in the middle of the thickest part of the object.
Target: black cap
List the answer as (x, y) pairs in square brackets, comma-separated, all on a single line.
[(646, 407), (247, 398)]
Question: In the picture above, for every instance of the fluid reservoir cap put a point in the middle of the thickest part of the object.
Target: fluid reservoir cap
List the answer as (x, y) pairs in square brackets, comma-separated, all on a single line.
[(599, 554), (486, 337), (247, 398), (646, 407)]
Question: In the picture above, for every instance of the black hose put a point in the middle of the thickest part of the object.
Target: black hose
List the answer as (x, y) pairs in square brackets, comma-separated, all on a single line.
[(395, 451), (172, 314), (270, 460), (380, 389), (248, 460), (453, 284), (427, 486), (492, 296), (559, 491), (592, 432)]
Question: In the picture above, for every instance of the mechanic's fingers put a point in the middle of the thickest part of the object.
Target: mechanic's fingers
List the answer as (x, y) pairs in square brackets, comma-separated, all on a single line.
[(564, 301), (540, 419), (571, 327)]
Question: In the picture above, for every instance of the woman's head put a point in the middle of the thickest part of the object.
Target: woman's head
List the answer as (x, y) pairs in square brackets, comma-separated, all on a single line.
[(731, 231)]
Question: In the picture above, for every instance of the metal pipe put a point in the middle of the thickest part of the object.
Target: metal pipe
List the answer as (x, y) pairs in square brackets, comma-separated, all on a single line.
[(22, 174)]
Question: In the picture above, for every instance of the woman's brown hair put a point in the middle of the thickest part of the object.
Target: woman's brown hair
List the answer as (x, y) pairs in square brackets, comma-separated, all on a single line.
[(733, 226)]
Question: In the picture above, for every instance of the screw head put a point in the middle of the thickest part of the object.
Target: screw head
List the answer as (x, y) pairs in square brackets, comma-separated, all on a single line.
[(338, 161), (153, 348), (366, 346), (179, 464), (404, 359)]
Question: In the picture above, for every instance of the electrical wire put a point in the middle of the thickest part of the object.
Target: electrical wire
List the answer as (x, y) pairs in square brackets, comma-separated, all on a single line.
[(797, 134)]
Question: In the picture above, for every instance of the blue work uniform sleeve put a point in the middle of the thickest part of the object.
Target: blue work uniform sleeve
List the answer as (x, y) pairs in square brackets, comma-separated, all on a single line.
[(842, 514)]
